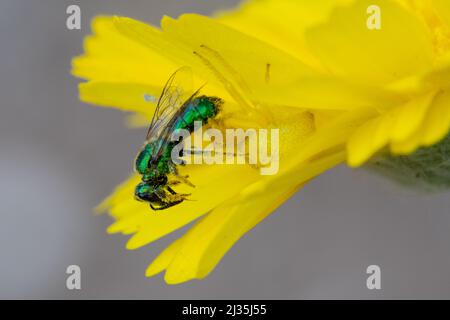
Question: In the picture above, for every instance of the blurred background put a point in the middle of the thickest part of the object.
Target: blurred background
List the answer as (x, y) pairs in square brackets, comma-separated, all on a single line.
[(60, 157)]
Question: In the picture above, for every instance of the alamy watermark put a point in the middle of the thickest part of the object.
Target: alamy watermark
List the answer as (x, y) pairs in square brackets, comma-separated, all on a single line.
[(73, 21), (257, 147), (374, 17), (73, 281), (374, 280)]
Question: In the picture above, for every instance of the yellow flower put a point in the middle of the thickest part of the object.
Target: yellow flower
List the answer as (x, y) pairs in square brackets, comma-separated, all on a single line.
[(399, 72), (336, 89)]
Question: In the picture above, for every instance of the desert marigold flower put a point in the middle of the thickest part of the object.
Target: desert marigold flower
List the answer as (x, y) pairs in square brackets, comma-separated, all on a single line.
[(336, 89)]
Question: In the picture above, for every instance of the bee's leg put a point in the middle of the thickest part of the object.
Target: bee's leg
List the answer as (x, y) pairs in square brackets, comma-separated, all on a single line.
[(174, 171), (224, 152), (169, 204), (170, 190), (157, 205), (155, 208), (185, 180), (181, 160), (177, 197), (173, 183), (173, 192), (166, 200), (162, 197), (165, 205), (218, 146)]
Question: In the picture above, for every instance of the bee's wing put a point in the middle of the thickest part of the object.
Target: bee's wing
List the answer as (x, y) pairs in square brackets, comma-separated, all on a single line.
[(177, 90), (169, 127)]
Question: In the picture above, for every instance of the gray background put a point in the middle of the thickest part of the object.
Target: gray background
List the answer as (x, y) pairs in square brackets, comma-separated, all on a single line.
[(59, 157)]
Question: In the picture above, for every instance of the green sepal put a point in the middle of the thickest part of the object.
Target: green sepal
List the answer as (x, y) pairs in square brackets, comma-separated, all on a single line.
[(427, 168)]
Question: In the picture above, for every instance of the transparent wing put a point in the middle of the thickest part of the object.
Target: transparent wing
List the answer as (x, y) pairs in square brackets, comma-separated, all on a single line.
[(165, 134), (177, 90)]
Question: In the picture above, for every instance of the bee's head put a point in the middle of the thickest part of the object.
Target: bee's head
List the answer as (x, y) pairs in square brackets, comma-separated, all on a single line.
[(144, 191)]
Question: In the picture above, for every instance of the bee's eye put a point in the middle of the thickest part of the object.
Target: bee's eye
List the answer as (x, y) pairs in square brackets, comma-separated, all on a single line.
[(143, 191)]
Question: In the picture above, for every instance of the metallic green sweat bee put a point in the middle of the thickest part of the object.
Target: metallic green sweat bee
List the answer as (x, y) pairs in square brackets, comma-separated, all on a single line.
[(175, 110)]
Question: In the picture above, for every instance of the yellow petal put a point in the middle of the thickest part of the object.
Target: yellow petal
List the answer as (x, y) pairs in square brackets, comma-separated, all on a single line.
[(208, 240), (248, 55), (205, 244), (273, 21), (213, 185), (164, 258), (401, 48), (396, 125), (135, 97), (434, 127), (111, 56), (408, 145), (410, 116), (437, 122), (247, 68), (159, 43), (328, 93), (333, 135), (287, 81), (443, 9), (279, 79), (368, 139)]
